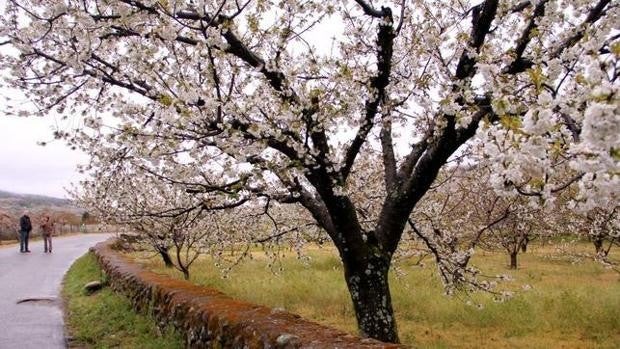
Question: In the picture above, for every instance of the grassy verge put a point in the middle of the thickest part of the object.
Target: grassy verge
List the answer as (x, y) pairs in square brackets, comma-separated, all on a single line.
[(568, 305), (105, 319)]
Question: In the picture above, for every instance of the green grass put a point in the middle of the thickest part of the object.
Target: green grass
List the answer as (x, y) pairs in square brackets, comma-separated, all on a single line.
[(105, 319), (569, 305)]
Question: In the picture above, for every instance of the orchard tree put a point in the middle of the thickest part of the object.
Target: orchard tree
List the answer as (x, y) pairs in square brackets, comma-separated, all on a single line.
[(259, 95), (463, 212), (66, 221), (162, 213), (516, 218), (601, 226), (169, 219), (516, 231), (88, 218), (604, 230)]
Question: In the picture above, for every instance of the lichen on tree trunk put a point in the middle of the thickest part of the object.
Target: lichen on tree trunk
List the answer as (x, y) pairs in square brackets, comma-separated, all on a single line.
[(370, 293)]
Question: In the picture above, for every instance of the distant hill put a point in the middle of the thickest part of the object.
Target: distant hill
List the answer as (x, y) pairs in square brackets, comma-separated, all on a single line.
[(14, 202), (12, 205)]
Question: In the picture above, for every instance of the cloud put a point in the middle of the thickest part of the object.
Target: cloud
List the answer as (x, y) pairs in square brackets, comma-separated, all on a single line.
[(26, 167)]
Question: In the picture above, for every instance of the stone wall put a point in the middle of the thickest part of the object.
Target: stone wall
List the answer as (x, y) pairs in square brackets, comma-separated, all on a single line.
[(210, 319)]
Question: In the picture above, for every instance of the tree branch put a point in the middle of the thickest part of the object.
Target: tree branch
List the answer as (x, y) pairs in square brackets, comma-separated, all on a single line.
[(371, 11), (378, 84), (481, 19), (594, 15), (389, 160), (519, 64)]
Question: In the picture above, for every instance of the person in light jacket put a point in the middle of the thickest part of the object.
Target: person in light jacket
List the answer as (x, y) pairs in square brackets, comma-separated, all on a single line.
[(47, 229), (25, 227)]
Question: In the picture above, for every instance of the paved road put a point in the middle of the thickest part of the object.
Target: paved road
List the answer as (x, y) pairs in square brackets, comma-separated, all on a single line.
[(38, 324)]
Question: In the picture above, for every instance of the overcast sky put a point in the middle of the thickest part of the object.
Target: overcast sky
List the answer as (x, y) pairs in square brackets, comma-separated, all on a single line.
[(26, 167)]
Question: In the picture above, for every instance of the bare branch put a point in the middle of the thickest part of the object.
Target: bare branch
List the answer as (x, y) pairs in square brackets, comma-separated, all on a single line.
[(371, 11)]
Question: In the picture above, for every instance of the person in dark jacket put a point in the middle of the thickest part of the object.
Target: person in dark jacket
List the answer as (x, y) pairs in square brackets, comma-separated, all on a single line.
[(25, 227)]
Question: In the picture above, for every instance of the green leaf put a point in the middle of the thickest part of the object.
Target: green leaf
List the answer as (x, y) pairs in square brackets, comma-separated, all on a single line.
[(537, 76), (165, 100)]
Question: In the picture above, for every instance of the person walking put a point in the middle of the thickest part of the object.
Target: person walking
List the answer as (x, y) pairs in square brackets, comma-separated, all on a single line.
[(47, 229), (25, 227)]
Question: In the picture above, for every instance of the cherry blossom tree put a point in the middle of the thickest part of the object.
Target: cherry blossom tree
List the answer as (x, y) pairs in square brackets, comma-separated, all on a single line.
[(600, 226), (170, 220), (260, 96), (462, 212), (516, 231), (163, 215), (119, 201), (515, 219), (604, 230)]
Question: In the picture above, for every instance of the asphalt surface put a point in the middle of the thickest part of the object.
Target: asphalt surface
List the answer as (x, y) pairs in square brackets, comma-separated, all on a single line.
[(30, 304)]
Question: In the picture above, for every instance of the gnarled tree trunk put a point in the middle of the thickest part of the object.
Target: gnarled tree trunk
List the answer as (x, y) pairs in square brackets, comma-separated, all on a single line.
[(598, 245), (524, 243), (513, 259), (370, 293), (165, 256)]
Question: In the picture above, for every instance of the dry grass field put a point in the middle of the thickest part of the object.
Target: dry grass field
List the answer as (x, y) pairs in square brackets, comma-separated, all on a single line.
[(557, 304)]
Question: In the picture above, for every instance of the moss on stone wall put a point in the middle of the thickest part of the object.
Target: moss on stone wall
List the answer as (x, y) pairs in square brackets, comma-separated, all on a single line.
[(210, 319)]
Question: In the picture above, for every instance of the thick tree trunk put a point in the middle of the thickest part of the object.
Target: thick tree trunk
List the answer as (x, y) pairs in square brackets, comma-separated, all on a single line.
[(366, 256), (185, 272), (165, 256), (513, 259), (370, 293), (598, 245), (182, 267), (524, 243)]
